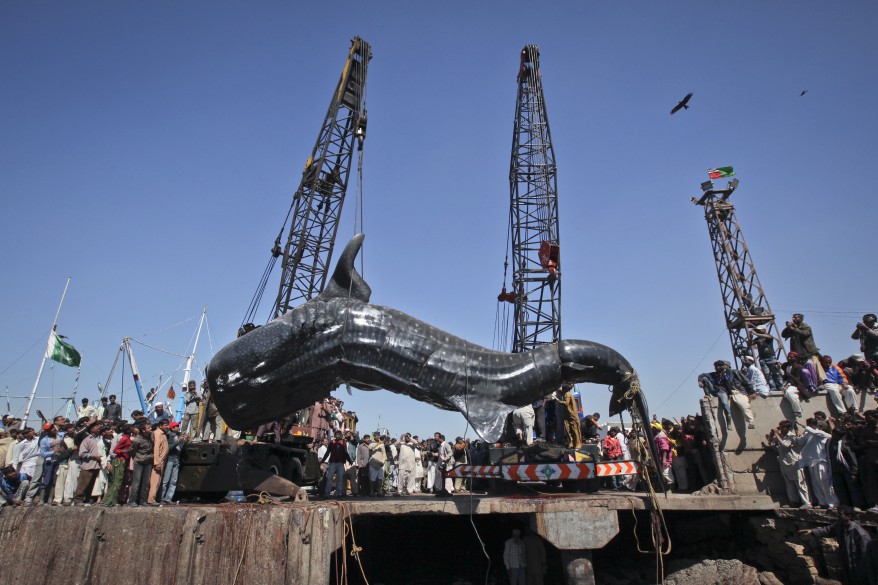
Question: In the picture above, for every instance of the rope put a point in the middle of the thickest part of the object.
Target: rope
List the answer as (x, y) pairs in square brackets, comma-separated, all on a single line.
[(659, 527), (159, 349)]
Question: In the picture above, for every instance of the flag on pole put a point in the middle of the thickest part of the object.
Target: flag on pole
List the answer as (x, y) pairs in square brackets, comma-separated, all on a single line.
[(720, 172), (171, 393), (62, 352)]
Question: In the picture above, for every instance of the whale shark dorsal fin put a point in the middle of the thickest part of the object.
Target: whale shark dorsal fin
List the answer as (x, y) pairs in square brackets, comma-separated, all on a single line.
[(346, 282)]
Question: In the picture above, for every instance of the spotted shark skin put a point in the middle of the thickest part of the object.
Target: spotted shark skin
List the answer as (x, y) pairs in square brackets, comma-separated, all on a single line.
[(340, 338)]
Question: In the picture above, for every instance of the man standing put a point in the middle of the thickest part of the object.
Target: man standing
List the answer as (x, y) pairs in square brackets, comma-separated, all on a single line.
[(446, 462), (362, 463), (591, 428), (377, 457), (26, 459), (514, 558), (815, 458), (159, 456), (120, 459), (141, 453), (337, 455), (86, 411), (406, 480), (852, 542), (114, 410), (210, 415), (523, 423), (571, 418), (65, 452), (802, 342), (867, 333), (90, 467), (50, 447), (176, 444), (102, 409), (782, 439), (613, 452), (190, 408)]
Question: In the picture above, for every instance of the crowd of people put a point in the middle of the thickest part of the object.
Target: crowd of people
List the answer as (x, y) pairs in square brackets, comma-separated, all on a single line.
[(101, 458), (833, 460)]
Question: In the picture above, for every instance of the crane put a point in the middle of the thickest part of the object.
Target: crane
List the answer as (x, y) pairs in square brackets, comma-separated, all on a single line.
[(317, 203), (748, 314), (533, 216)]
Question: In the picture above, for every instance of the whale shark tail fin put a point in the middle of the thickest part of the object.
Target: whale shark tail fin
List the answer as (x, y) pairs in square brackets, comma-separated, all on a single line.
[(346, 282)]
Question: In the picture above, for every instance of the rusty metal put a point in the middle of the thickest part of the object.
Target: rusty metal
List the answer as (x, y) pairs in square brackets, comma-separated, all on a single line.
[(744, 300)]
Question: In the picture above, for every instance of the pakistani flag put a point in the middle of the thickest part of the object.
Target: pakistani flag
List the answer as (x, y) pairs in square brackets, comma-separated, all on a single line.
[(720, 172), (62, 352)]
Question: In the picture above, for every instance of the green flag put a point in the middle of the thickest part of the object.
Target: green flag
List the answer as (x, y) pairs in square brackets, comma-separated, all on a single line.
[(720, 172), (62, 352)]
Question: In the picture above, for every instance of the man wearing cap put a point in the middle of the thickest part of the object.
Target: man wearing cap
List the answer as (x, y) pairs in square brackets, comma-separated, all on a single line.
[(157, 415), (764, 344), (176, 444), (840, 392), (755, 376), (66, 449), (867, 333), (90, 455)]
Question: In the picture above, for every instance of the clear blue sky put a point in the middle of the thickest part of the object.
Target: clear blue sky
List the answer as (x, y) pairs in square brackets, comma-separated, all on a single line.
[(150, 151)]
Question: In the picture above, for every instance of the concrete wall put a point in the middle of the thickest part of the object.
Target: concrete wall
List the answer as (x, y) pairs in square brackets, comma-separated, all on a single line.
[(753, 469), (173, 545)]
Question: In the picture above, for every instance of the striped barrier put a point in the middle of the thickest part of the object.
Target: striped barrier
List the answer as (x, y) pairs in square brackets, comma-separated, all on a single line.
[(546, 471), (609, 468)]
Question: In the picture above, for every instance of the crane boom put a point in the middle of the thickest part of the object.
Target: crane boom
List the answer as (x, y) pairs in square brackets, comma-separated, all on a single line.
[(536, 278), (317, 203), (748, 314)]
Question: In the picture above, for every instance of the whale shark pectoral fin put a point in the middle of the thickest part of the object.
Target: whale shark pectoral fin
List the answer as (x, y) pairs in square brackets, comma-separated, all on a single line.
[(487, 417), (346, 282)]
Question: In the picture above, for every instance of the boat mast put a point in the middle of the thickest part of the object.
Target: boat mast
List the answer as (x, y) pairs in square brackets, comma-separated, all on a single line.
[(188, 370)]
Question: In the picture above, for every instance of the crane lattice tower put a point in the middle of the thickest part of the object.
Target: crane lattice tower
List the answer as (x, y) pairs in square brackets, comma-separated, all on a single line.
[(317, 203), (746, 306), (536, 279)]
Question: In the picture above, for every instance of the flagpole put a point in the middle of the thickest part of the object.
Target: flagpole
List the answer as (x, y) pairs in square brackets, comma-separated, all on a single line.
[(33, 392)]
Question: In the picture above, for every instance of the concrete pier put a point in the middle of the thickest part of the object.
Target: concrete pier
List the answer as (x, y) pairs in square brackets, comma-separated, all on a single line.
[(282, 543)]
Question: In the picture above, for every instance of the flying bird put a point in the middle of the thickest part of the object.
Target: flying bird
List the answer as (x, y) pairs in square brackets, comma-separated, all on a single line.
[(683, 104), (804, 91)]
